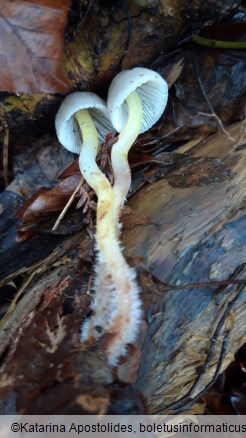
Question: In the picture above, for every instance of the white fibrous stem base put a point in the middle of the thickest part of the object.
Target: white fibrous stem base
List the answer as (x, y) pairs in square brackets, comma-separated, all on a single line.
[(116, 315), (116, 307)]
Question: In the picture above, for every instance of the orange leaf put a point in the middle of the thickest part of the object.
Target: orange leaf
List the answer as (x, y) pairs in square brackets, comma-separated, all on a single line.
[(31, 46)]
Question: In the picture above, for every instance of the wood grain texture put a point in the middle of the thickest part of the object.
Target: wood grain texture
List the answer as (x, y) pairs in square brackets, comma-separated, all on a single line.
[(196, 234), (193, 234)]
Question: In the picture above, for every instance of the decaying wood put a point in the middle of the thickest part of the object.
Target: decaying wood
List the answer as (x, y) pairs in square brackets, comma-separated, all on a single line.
[(24, 304), (183, 230), (191, 234), (195, 236)]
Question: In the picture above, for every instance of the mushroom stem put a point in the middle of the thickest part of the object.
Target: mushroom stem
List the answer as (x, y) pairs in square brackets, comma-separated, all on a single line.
[(117, 279), (94, 176), (120, 165), (117, 297), (87, 159)]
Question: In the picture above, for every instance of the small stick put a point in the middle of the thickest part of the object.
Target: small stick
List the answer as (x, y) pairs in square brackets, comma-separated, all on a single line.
[(213, 113), (220, 123), (65, 209), (14, 302), (223, 352)]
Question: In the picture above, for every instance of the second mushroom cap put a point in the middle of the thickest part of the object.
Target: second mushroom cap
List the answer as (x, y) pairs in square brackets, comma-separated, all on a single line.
[(152, 90)]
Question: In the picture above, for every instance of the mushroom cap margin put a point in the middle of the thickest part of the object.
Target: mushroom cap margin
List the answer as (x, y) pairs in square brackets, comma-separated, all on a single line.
[(152, 90), (67, 129)]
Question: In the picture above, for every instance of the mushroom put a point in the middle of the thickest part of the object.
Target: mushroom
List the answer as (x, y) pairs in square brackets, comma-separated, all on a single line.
[(116, 308), (136, 101), (82, 121)]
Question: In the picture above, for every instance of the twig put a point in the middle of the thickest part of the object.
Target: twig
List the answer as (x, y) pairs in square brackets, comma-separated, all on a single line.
[(213, 113), (13, 304), (218, 44), (220, 123), (63, 212), (215, 376), (237, 141)]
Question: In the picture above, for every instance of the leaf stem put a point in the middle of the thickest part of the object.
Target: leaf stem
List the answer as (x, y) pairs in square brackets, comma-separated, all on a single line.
[(216, 44)]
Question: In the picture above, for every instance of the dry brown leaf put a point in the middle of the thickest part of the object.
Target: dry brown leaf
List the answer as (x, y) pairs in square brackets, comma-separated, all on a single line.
[(37, 212), (119, 35), (45, 201), (31, 35)]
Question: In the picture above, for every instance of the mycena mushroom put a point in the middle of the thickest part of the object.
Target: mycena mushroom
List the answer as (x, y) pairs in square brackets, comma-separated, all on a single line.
[(81, 119), (136, 100)]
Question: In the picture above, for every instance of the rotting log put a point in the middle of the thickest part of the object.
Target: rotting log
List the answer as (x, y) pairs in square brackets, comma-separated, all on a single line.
[(196, 234), (192, 234)]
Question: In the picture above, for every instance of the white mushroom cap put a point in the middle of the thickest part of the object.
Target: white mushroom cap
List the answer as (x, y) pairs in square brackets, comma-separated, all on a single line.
[(152, 90), (66, 125)]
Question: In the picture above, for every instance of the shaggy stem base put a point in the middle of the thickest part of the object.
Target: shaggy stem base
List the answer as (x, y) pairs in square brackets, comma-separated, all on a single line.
[(116, 307)]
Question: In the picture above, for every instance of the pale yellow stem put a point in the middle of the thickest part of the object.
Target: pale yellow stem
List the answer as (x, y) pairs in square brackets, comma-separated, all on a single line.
[(87, 159), (94, 176), (125, 312), (119, 157)]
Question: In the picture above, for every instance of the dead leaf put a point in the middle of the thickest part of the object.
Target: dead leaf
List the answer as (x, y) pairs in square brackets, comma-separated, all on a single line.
[(45, 201), (207, 96), (37, 211), (116, 35), (31, 35), (174, 71)]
